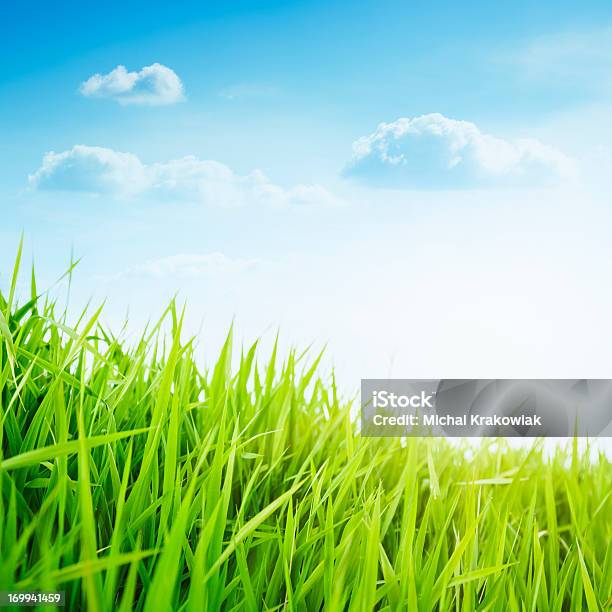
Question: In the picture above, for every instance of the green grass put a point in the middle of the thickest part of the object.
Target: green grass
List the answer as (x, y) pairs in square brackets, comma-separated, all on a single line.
[(132, 480)]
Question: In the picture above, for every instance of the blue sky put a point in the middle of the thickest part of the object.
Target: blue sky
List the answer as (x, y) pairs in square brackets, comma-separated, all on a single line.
[(248, 170)]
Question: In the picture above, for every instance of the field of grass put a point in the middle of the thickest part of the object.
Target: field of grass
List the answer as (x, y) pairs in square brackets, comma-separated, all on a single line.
[(132, 480)]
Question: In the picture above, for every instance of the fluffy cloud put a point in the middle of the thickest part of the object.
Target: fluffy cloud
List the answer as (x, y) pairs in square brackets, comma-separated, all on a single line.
[(433, 151), (104, 171), (91, 169), (154, 85)]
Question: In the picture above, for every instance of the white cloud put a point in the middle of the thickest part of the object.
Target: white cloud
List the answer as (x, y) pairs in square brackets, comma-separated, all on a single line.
[(104, 171), (154, 85), (91, 169), (433, 151), (188, 267)]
